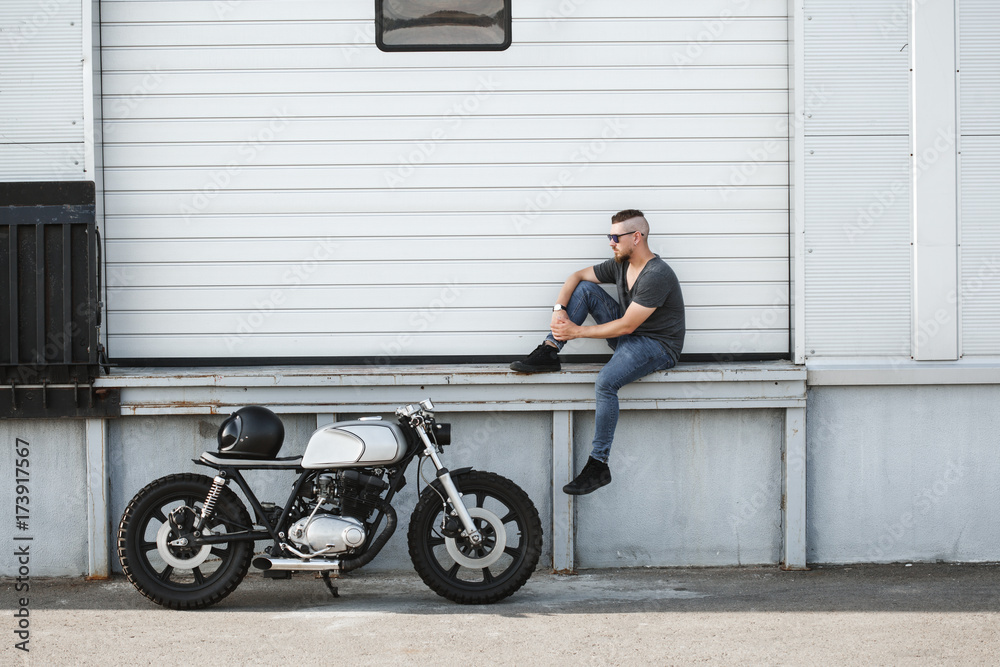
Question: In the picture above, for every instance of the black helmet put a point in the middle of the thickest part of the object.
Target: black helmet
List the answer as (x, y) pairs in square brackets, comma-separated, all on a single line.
[(252, 432)]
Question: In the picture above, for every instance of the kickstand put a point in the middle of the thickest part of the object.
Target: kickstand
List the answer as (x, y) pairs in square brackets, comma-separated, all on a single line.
[(329, 584)]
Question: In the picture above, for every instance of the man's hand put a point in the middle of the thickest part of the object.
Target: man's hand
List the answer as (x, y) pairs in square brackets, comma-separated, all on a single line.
[(563, 328), (558, 316)]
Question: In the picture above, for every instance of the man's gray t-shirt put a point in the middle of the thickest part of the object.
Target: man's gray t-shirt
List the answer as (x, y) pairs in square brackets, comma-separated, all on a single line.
[(656, 287)]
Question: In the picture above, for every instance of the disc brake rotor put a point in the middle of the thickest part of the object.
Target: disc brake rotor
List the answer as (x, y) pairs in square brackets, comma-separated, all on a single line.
[(167, 552), (500, 536)]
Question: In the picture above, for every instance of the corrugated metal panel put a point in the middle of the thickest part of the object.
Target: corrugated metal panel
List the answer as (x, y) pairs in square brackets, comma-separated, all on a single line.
[(42, 162), (857, 179), (980, 286), (41, 91), (857, 246), (979, 66), (979, 164), (276, 186), (857, 67)]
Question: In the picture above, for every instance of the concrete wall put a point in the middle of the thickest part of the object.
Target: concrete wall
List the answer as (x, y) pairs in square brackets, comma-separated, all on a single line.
[(908, 473), (690, 487), (57, 498)]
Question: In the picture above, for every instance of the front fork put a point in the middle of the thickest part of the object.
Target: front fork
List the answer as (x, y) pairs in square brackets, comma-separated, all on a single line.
[(458, 507)]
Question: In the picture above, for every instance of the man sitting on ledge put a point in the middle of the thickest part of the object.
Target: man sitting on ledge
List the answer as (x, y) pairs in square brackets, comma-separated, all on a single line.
[(645, 328)]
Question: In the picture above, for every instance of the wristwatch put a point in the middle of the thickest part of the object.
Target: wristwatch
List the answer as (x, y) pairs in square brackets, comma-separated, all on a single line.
[(556, 308)]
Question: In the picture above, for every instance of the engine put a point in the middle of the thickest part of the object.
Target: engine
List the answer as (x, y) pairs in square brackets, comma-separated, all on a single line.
[(327, 532), (355, 495)]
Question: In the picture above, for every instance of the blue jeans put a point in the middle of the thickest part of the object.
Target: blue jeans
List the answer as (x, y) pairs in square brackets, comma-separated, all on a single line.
[(634, 357)]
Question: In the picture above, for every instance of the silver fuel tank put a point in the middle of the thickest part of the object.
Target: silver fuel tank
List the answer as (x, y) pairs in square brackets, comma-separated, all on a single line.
[(349, 444)]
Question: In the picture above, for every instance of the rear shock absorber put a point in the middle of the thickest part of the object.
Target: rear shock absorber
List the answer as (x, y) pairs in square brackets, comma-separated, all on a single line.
[(213, 495)]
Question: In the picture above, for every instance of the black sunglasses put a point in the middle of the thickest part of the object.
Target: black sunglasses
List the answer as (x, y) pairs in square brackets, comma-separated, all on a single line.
[(614, 237)]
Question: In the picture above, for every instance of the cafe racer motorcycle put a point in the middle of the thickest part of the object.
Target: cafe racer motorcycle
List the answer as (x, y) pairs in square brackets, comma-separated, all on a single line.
[(186, 541)]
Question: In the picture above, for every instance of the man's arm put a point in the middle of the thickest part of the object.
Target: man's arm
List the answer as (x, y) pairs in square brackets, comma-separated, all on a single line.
[(566, 292), (564, 329), (575, 279)]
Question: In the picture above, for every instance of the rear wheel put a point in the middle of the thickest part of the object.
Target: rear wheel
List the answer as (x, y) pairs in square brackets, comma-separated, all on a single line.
[(182, 577), (455, 568)]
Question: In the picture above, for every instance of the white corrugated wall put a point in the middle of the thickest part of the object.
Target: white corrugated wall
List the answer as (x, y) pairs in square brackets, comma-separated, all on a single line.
[(44, 81), (278, 187), (857, 188), (979, 176)]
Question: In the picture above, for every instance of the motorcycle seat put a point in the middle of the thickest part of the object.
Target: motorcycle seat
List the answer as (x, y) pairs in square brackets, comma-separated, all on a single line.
[(216, 459)]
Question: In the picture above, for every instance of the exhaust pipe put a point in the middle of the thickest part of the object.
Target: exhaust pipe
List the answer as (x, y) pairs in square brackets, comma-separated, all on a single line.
[(319, 565)]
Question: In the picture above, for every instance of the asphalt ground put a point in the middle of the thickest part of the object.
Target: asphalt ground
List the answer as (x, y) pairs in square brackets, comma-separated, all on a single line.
[(845, 615)]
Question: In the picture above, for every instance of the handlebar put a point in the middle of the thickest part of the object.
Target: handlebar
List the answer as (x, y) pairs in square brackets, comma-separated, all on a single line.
[(425, 406)]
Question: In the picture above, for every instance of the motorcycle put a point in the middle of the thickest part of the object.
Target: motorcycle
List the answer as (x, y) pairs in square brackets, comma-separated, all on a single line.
[(186, 541)]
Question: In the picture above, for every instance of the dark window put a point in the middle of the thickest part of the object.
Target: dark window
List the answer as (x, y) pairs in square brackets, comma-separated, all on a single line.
[(442, 25)]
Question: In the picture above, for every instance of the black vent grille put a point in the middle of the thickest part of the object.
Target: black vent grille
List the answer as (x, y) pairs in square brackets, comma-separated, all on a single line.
[(49, 261)]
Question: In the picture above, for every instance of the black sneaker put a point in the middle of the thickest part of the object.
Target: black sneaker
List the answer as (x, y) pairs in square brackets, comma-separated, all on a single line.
[(593, 476), (543, 359)]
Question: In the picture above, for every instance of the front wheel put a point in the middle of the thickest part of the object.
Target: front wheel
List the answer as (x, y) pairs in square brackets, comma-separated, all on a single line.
[(182, 577), (456, 569)]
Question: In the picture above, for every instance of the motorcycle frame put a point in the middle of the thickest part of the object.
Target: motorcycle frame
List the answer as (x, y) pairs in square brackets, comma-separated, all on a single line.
[(396, 482)]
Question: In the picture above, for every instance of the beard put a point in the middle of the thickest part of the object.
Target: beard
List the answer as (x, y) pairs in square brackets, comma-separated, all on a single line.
[(622, 256)]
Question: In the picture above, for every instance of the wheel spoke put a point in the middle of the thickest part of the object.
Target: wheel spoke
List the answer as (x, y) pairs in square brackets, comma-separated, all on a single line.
[(147, 546), (510, 516), (454, 570), (480, 498), (159, 515), (487, 576), (198, 577), (167, 571), (435, 541), (511, 551), (219, 552)]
